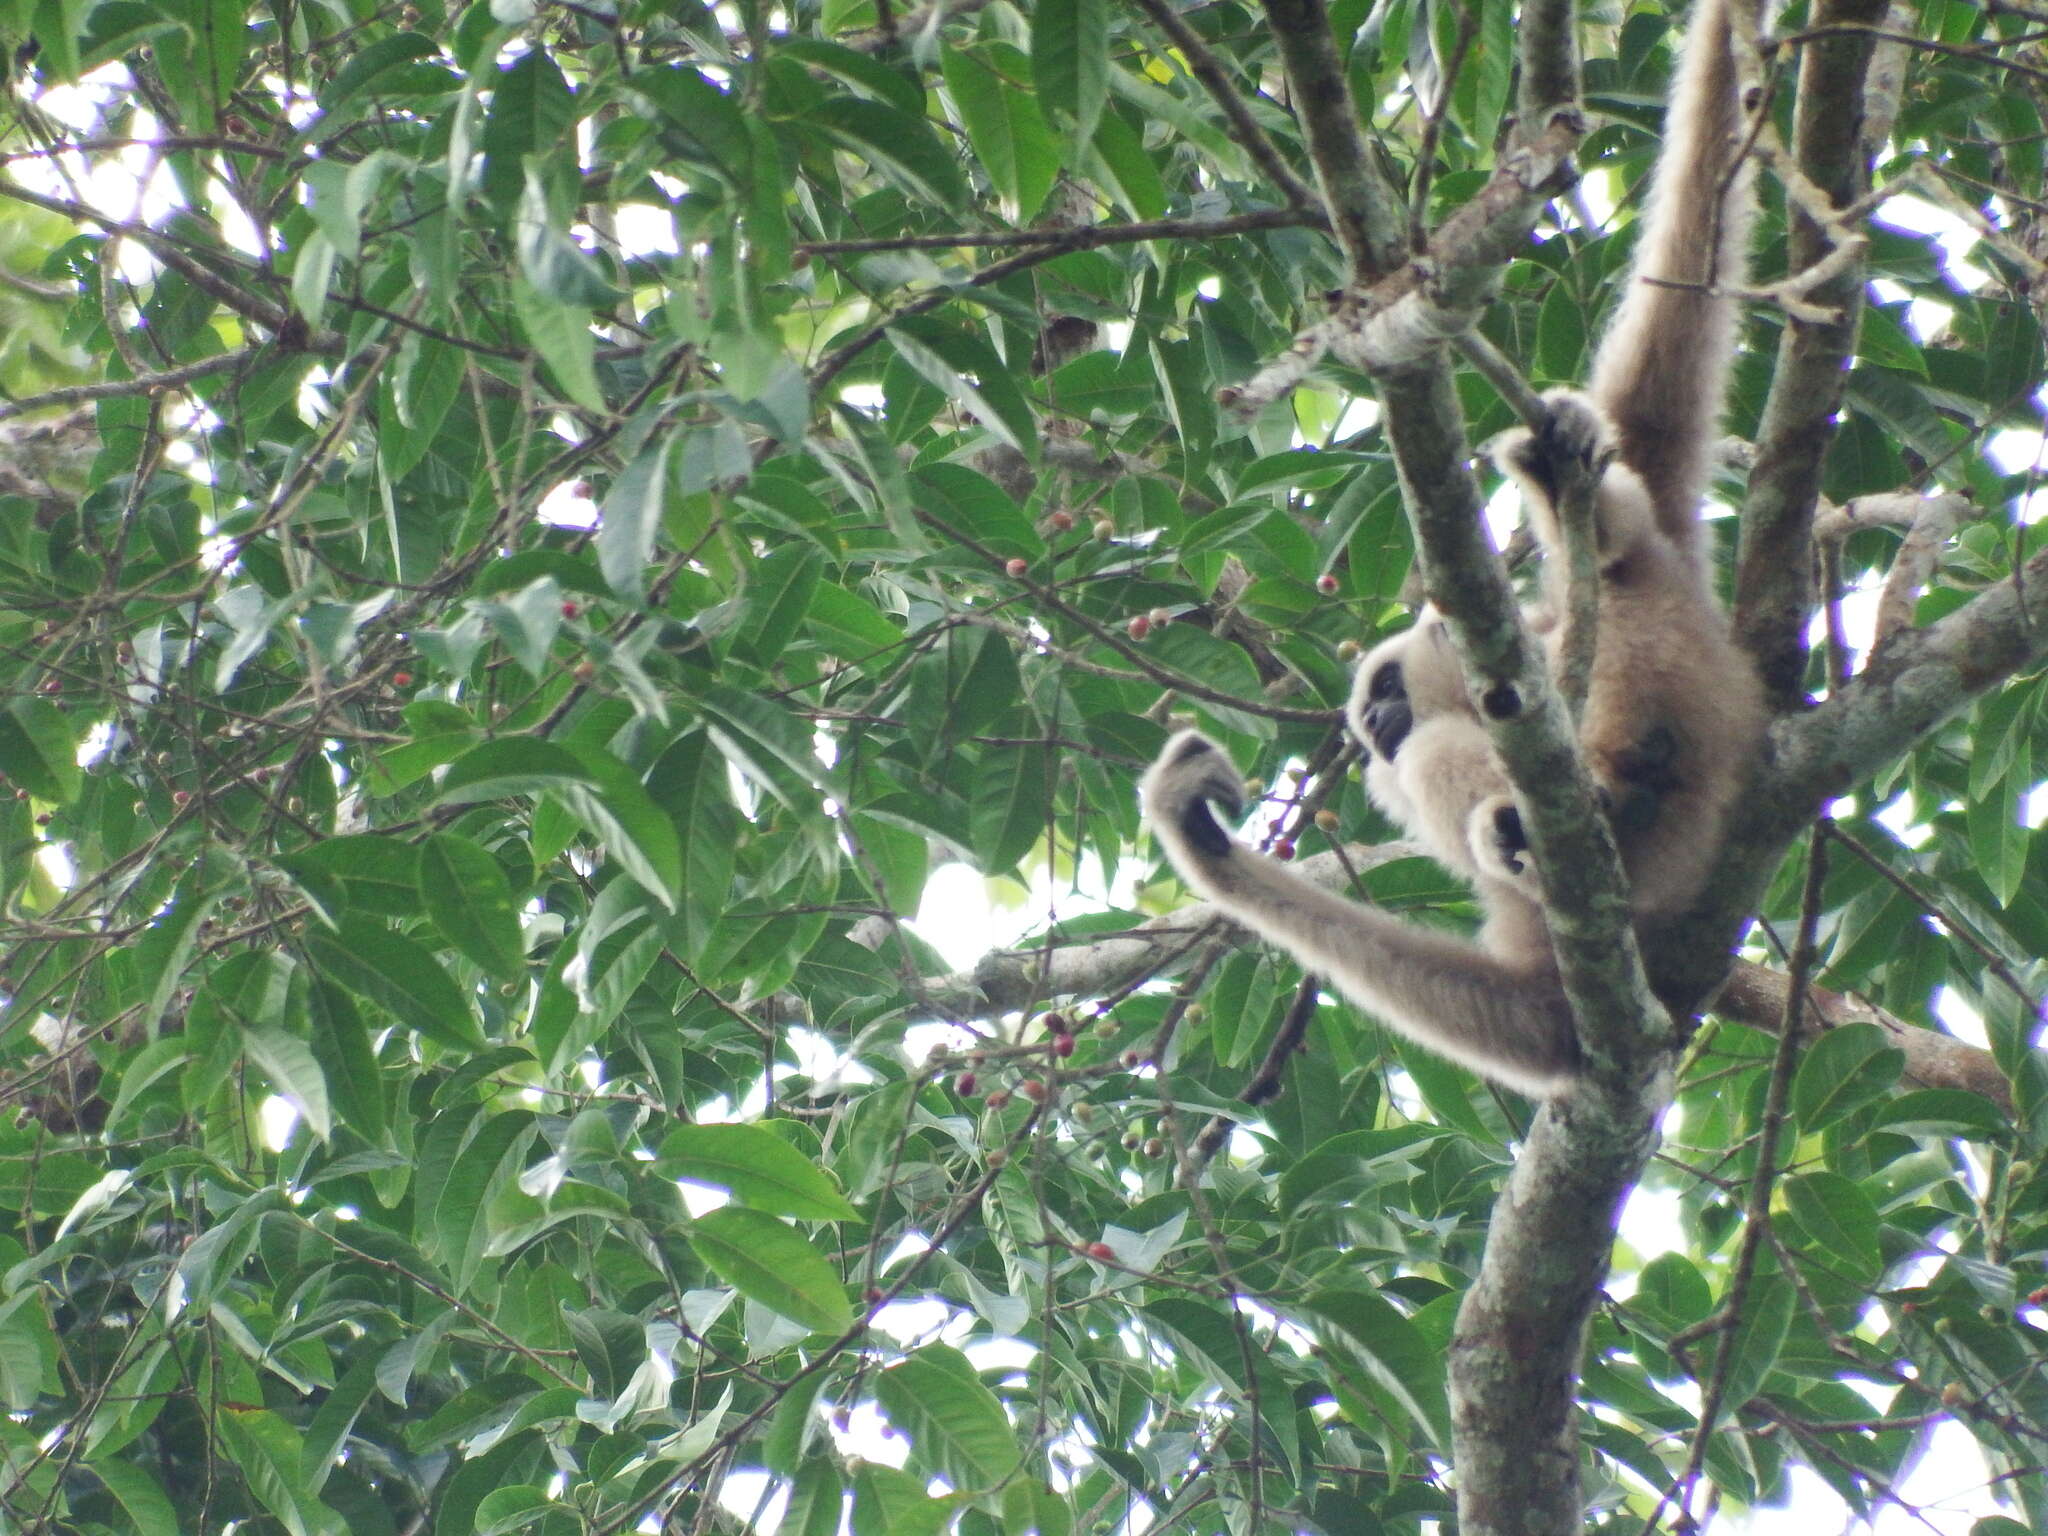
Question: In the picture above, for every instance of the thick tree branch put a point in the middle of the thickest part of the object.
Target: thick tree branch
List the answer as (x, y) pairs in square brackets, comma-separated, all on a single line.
[(1436, 297), (1756, 995), (1913, 682), (1515, 1352), (1364, 212), (1774, 584)]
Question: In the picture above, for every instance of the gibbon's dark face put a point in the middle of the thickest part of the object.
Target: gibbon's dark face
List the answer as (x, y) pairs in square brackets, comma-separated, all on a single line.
[(1385, 714), (1404, 682)]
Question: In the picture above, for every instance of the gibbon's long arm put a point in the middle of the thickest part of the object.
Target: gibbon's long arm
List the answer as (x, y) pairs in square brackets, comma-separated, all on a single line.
[(1661, 371), (1506, 1022)]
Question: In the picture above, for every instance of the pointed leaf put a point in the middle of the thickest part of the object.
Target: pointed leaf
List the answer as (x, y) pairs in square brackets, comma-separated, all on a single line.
[(294, 1075), (957, 1427), (631, 519), (465, 892), (758, 1166), (398, 974), (511, 765), (770, 1262), (38, 750)]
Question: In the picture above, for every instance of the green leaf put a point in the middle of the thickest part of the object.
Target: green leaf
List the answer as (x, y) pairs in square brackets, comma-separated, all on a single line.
[(511, 765), (778, 598), (899, 145), (398, 974), (38, 750), (707, 126), (632, 519), (766, 743), (341, 1044), (1757, 1339), (1843, 1070), (267, 1452), (560, 335), (1840, 1222), (617, 810), (375, 873), (1011, 804), (1003, 124), (294, 1074), (759, 1167), (485, 1167), (1117, 159), (957, 1427), (772, 1263), (1366, 1334), (1945, 1112), (141, 1497), (967, 369), (464, 890), (1070, 63), (850, 627)]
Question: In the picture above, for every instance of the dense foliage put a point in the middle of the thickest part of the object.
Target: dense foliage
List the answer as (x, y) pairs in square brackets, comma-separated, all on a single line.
[(535, 533)]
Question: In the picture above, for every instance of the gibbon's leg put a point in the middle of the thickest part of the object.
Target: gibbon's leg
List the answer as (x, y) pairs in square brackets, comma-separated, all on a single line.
[(1660, 374), (1502, 1015)]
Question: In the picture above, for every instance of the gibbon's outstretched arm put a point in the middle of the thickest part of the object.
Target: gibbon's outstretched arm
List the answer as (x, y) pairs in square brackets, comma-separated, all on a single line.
[(1506, 1020), (1661, 371)]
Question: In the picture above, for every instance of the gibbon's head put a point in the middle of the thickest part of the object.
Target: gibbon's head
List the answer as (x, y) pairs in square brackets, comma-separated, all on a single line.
[(1404, 681)]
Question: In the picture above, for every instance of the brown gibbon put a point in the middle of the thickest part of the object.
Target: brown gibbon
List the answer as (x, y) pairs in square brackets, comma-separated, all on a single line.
[(1673, 709)]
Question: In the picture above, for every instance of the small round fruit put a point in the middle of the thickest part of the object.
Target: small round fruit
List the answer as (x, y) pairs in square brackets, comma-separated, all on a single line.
[(1283, 851), (999, 1098), (1063, 521), (1327, 584), (1017, 565), (401, 679), (1154, 1147), (1349, 650), (965, 1084), (1134, 1059), (584, 671), (1326, 820), (1139, 627), (571, 610), (1063, 1045), (1032, 1089), (1102, 1253)]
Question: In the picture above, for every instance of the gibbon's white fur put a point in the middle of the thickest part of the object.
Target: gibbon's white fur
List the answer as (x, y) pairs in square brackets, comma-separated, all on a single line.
[(1673, 709)]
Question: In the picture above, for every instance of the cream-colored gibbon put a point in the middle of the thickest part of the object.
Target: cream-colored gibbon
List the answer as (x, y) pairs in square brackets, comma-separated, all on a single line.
[(1673, 709)]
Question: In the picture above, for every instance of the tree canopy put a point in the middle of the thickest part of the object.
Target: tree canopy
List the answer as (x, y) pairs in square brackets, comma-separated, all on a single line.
[(529, 533)]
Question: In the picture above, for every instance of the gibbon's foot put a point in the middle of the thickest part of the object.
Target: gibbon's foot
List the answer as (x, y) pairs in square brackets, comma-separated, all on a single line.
[(1575, 440), (1191, 774), (1499, 846), (1576, 432)]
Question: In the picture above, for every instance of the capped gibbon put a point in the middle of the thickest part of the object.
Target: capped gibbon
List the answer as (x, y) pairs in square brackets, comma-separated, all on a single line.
[(1673, 709)]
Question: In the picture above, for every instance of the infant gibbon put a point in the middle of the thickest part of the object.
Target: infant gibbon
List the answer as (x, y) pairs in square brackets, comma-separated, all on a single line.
[(1673, 709)]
